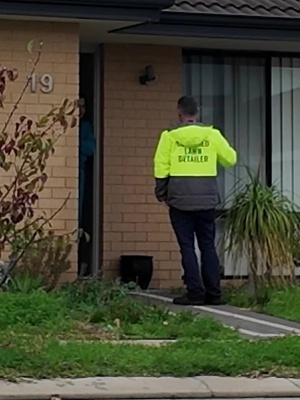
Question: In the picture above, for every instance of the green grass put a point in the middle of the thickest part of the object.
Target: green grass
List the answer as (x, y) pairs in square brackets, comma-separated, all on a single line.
[(46, 358), (35, 312), (65, 333), (283, 303), (121, 318)]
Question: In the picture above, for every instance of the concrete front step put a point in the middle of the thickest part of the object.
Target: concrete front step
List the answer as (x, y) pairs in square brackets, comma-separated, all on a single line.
[(150, 388)]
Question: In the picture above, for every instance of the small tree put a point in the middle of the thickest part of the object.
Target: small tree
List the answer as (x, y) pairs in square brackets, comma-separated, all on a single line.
[(24, 152)]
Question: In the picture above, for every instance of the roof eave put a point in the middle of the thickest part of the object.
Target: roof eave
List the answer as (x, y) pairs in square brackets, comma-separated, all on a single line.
[(125, 10), (221, 27)]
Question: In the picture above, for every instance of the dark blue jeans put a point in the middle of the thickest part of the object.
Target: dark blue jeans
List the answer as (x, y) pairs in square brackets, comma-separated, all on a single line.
[(187, 225)]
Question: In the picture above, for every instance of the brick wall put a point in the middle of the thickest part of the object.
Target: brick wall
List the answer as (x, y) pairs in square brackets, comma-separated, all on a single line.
[(134, 223), (60, 58)]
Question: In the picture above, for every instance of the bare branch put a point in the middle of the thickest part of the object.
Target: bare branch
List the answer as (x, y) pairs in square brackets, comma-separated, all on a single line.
[(15, 107)]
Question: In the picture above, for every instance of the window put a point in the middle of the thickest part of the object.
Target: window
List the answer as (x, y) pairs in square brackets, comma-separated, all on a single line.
[(255, 102), (286, 125), (231, 95)]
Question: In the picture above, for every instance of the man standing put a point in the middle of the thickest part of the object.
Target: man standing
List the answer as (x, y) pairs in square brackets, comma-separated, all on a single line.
[(185, 169)]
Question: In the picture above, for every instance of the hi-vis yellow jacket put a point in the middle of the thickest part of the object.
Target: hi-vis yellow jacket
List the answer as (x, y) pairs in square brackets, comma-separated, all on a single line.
[(185, 166)]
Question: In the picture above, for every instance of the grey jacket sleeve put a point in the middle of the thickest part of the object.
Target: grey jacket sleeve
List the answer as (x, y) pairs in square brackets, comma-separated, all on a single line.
[(161, 189)]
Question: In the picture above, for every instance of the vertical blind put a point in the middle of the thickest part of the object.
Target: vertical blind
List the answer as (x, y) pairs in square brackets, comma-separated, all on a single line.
[(231, 95), (231, 92), (286, 126)]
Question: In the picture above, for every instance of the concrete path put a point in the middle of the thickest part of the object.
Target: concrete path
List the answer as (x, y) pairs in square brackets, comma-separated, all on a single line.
[(150, 388), (249, 324)]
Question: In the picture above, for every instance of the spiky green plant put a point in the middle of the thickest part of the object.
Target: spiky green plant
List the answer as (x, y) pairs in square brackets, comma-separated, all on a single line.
[(260, 225)]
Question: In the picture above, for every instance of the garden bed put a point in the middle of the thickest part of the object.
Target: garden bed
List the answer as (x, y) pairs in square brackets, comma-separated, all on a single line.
[(84, 331)]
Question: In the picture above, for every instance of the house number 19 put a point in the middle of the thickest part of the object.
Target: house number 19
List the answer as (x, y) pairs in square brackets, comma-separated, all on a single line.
[(45, 82)]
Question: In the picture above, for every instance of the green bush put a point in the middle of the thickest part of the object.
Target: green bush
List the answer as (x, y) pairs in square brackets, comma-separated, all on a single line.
[(24, 283), (93, 293)]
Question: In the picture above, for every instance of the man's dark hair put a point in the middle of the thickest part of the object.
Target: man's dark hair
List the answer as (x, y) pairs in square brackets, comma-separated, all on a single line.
[(188, 106)]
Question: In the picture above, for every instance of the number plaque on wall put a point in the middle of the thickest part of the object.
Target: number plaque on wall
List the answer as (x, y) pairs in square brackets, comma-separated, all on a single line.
[(44, 82)]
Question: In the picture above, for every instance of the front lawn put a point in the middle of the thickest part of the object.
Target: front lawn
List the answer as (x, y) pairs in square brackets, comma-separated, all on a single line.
[(73, 333), (99, 312), (46, 357), (283, 303)]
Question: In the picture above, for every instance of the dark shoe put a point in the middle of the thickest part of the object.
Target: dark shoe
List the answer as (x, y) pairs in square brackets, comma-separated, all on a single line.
[(214, 301), (187, 300)]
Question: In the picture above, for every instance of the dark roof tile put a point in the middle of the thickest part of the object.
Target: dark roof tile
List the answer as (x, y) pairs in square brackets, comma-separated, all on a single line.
[(263, 8)]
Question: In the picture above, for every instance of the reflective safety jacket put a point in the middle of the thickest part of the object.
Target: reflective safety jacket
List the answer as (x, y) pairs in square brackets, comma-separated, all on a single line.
[(186, 166)]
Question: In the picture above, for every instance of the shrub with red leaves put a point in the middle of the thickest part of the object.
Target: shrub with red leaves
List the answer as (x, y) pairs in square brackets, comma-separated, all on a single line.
[(24, 152)]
